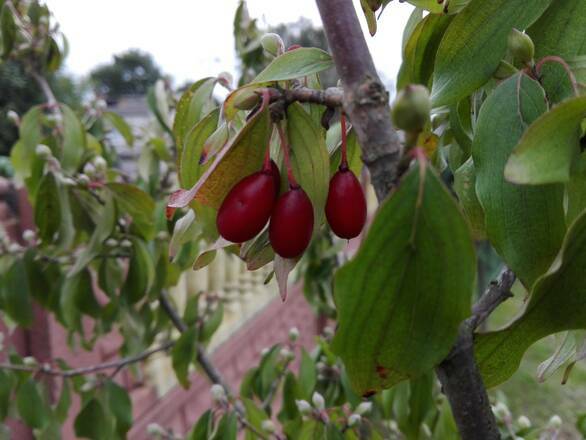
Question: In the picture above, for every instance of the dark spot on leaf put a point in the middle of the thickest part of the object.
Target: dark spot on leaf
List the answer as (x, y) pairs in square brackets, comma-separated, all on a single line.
[(382, 371), (369, 393)]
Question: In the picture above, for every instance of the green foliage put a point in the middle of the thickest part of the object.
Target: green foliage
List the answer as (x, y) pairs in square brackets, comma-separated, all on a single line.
[(528, 233)]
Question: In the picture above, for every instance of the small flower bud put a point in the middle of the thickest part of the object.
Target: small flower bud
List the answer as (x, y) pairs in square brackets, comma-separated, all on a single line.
[(218, 393), (303, 406), (273, 44), (354, 419), (155, 429), (1, 341), (83, 179), (521, 47), (363, 408), (245, 100), (126, 243), (524, 422), (28, 235), (100, 164), (287, 354), (293, 334), (88, 386), (111, 242), (63, 259), (501, 411), (265, 351), (318, 401), (101, 104), (89, 169), (13, 117), (268, 426), (226, 79), (328, 332), (67, 181), (162, 235), (411, 108), (555, 422), (29, 361), (14, 248), (43, 151)]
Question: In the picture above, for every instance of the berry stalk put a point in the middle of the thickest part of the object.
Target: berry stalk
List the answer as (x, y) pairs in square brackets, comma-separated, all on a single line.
[(285, 147), (344, 162)]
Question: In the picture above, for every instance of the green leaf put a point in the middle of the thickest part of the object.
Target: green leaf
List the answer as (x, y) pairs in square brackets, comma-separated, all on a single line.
[(352, 152), (559, 32), (190, 167), (31, 407), (474, 44), (92, 422), (438, 7), (121, 126), (48, 208), (64, 403), (8, 30), (6, 384), (77, 297), (399, 321), (420, 49), (524, 224), (22, 155), (120, 406), (141, 272), (309, 159), (203, 427), (312, 430), (576, 191), (227, 428), (550, 146), (190, 108), (461, 124), (54, 57), (557, 303), (295, 64), (239, 158), (103, 230), (138, 204), (16, 294), (307, 375), (212, 323), (183, 354), (254, 415), (465, 188), (74, 140)]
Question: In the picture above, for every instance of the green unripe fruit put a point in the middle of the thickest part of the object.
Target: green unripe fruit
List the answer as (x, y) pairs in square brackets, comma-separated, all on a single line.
[(273, 44), (521, 47), (411, 108), (245, 99)]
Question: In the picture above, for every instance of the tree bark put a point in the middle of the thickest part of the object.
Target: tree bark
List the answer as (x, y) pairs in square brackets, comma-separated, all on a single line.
[(366, 104)]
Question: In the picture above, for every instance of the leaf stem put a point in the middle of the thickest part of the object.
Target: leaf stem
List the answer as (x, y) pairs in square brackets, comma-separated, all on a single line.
[(285, 147)]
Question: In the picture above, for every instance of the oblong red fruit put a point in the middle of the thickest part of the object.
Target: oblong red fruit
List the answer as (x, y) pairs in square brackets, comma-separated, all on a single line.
[(291, 223), (277, 176), (346, 205), (247, 207)]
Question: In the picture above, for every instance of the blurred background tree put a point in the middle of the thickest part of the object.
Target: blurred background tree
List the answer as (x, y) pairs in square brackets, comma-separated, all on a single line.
[(130, 73)]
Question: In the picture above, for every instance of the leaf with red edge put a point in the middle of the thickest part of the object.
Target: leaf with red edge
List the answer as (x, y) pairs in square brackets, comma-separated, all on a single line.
[(239, 158)]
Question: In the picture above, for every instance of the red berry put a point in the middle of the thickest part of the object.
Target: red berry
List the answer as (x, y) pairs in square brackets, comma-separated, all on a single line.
[(276, 177), (346, 205), (291, 223), (247, 207)]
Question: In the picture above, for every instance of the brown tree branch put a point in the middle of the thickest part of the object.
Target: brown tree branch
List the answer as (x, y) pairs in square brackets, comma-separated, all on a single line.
[(330, 97), (366, 102), (459, 375)]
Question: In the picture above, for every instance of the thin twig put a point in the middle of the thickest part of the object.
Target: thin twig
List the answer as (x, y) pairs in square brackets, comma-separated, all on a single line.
[(497, 292), (117, 364)]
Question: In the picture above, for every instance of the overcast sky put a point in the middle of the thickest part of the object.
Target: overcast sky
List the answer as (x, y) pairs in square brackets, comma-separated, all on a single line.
[(191, 39)]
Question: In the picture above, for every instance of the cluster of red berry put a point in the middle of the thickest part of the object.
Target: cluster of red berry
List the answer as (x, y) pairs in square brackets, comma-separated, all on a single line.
[(255, 199)]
